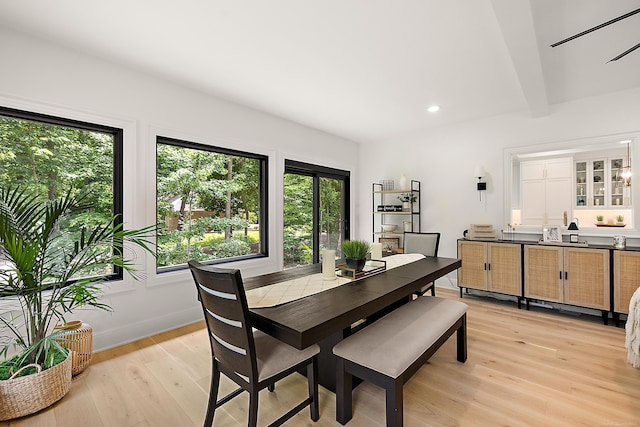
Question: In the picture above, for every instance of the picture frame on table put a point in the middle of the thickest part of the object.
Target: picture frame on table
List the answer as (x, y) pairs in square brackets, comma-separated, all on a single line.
[(551, 233), (390, 244)]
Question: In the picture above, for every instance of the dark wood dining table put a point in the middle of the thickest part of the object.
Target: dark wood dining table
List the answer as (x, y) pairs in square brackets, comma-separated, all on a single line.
[(327, 317)]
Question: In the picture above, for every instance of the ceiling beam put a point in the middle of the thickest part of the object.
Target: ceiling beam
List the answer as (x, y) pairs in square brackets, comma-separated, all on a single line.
[(515, 20)]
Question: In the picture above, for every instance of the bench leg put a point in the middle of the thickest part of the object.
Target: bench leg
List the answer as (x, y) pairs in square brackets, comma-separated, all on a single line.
[(344, 405), (394, 404), (461, 336)]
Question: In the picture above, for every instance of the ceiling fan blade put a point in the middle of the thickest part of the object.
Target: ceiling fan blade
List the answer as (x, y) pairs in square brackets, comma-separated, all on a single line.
[(597, 27), (626, 52)]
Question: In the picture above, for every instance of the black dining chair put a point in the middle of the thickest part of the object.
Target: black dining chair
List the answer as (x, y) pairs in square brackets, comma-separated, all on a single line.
[(425, 244), (251, 359)]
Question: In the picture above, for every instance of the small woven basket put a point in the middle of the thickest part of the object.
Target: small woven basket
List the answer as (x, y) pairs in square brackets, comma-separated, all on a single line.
[(29, 394), (78, 337)]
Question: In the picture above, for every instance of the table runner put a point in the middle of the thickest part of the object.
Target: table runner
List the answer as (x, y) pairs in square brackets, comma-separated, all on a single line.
[(291, 290)]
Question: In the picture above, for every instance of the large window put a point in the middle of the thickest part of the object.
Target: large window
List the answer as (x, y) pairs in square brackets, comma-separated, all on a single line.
[(316, 211), (51, 156), (211, 203)]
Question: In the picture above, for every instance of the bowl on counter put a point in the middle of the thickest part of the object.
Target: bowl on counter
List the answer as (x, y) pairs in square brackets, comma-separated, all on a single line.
[(389, 228)]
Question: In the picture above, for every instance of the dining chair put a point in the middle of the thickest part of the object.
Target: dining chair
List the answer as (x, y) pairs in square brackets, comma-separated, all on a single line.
[(251, 359), (425, 244)]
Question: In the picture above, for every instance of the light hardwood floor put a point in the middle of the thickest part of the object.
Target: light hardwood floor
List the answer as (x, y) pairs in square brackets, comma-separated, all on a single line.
[(524, 368)]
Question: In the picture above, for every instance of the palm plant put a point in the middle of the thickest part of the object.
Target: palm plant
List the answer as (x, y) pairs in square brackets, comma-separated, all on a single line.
[(45, 274)]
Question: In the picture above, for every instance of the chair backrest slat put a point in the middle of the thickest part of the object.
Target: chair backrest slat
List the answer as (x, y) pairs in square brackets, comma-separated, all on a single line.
[(226, 313), (422, 243)]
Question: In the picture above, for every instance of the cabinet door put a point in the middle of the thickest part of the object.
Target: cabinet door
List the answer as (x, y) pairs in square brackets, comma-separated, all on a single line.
[(598, 183), (543, 272), (581, 184), (558, 199), (626, 279), (533, 202), (558, 168), (505, 272), (472, 274), (587, 277)]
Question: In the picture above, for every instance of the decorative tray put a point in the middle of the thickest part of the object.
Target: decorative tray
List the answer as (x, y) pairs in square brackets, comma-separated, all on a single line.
[(583, 243), (610, 225), (371, 267)]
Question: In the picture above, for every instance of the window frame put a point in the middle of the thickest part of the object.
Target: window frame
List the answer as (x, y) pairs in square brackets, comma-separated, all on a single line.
[(264, 197), (317, 172), (118, 159)]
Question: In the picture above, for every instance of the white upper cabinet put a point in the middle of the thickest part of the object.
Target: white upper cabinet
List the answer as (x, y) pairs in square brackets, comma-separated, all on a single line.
[(546, 190)]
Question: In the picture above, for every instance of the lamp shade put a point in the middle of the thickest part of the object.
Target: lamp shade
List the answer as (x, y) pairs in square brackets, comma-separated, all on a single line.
[(478, 172), (573, 226)]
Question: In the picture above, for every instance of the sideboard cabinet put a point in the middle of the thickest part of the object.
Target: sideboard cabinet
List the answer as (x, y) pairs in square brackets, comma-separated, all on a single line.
[(626, 279), (488, 266), (568, 275)]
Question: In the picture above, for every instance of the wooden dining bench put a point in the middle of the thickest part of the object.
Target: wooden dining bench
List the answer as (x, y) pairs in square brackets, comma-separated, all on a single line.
[(389, 351)]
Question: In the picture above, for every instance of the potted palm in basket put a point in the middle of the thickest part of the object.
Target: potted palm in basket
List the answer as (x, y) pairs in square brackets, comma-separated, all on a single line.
[(45, 275)]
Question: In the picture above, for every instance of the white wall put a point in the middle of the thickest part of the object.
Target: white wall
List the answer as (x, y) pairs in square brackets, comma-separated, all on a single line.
[(39, 77), (444, 160)]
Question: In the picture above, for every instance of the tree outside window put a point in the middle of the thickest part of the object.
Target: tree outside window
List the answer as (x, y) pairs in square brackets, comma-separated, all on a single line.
[(209, 203)]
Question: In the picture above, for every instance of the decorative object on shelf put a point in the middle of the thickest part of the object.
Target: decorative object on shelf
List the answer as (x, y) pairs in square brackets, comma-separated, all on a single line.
[(403, 184), (376, 251), (390, 244), (481, 186), (407, 200), (389, 228), (551, 233), (78, 338), (481, 232), (573, 228), (355, 253), (620, 219), (599, 219), (328, 264), (407, 226), (619, 242), (387, 184)]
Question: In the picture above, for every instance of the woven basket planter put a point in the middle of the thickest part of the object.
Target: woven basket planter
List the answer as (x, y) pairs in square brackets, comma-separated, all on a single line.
[(79, 339), (29, 394)]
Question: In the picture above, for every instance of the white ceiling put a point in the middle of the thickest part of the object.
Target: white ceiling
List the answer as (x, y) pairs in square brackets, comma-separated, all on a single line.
[(363, 69)]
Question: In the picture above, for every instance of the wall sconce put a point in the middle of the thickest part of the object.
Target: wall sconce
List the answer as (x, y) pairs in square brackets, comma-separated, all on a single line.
[(481, 186), (573, 228)]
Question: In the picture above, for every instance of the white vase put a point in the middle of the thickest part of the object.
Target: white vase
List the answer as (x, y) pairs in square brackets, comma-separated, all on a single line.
[(403, 184)]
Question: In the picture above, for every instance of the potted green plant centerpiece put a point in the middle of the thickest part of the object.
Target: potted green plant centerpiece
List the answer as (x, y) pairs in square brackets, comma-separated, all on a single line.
[(46, 274), (599, 218), (620, 219), (355, 253)]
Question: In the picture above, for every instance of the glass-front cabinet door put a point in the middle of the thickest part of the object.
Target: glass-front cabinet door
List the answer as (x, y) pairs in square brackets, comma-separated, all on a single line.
[(598, 183), (581, 183), (619, 193)]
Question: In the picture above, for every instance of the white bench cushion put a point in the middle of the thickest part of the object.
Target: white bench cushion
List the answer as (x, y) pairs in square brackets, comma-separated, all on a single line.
[(391, 344)]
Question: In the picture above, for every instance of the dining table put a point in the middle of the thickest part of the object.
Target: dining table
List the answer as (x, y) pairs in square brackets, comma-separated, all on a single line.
[(327, 317)]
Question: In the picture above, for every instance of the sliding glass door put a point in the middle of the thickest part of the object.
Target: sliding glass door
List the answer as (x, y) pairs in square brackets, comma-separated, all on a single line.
[(316, 211)]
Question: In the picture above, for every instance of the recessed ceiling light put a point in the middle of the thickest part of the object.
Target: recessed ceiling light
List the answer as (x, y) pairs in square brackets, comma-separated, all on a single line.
[(433, 109)]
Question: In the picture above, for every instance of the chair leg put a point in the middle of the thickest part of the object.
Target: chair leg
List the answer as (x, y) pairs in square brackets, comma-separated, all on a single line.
[(253, 408), (344, 402), (461, 338), (213, 394), (312, 379), (271, 387), (394, 404)]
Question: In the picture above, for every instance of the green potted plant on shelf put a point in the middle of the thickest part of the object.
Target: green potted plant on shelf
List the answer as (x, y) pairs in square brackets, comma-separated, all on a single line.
[(355, 253), (599, 218), (44, 275), (407, 199), (620, 219)]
